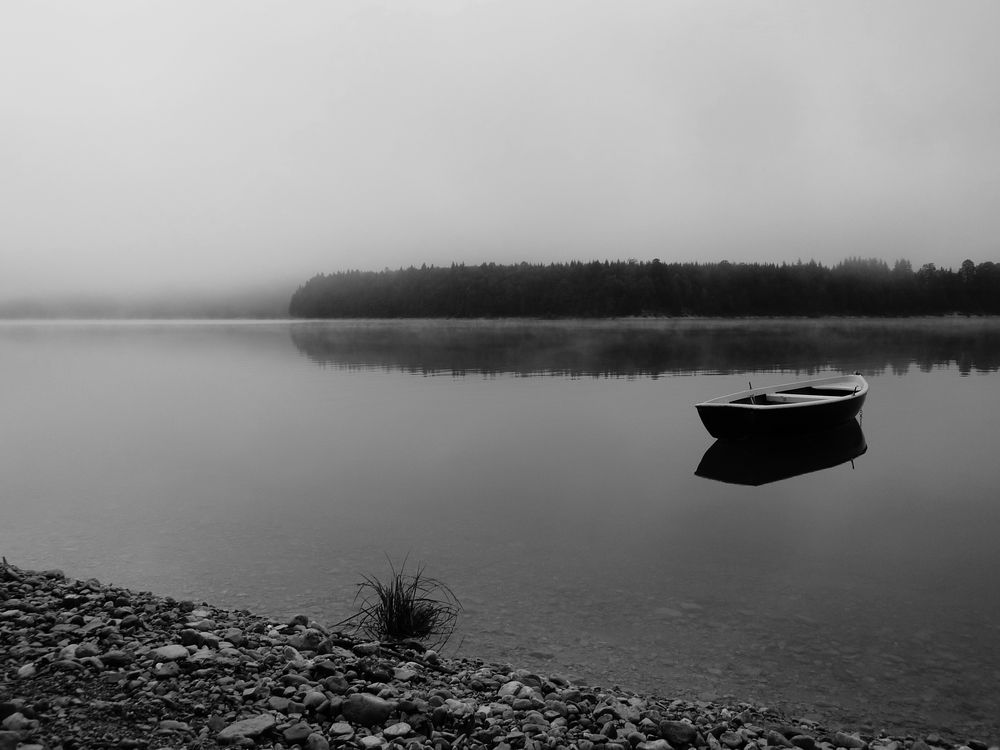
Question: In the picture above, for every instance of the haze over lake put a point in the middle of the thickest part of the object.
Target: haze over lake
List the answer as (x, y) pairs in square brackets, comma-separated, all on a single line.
[(546, 472)]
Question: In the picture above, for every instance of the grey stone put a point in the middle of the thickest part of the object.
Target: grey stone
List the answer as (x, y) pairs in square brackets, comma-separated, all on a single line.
[(308, 640), (366, 709), (842, 739), (314, 699), (325, 667), (295, 659), (190, 637), (399, 729), (169, 725), (678, 733), (234, 636), (85, 650), (17, 722), (510, 688), (654, 745), (279, 703), (777, 739), (252, 727), (168, 670), (297, 733), (172, 652), (341, 730), (118, 659)]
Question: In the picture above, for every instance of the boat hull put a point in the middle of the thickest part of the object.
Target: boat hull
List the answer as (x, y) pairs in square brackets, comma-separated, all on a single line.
[(738, 417)]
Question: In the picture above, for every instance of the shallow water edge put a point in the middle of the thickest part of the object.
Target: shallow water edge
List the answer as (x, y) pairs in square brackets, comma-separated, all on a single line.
[(92, 663)]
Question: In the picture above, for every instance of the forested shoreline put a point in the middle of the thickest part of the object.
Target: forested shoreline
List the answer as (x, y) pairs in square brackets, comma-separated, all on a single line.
[(598, 289)]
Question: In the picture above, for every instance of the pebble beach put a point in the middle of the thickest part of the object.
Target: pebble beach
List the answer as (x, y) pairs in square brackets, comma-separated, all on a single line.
[(89, 665)]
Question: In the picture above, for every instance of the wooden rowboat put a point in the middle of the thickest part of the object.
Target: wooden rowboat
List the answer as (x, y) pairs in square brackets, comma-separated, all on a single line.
[(805, 406)]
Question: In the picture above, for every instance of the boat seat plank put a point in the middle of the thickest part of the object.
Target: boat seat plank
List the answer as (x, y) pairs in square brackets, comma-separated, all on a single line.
[(796, 398)]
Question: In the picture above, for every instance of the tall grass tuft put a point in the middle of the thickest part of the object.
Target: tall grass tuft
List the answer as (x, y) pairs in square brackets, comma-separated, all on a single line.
[(405, 607)]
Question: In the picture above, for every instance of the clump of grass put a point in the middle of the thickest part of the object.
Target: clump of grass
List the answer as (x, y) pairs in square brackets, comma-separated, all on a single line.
[(405, 607)]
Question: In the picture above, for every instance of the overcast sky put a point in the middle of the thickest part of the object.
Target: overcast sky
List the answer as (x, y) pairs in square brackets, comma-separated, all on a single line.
[(148, 143)]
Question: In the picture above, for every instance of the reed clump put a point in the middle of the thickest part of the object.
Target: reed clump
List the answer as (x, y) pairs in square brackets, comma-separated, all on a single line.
[(405, 607)]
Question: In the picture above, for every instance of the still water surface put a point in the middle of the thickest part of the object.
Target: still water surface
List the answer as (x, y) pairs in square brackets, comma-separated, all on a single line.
[(547, 473)]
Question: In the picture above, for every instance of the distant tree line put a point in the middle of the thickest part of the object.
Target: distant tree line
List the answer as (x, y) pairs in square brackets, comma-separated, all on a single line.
[(597, 289)]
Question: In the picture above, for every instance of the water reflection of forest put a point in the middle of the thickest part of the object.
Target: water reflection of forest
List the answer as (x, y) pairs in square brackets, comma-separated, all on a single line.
[(644, 347)]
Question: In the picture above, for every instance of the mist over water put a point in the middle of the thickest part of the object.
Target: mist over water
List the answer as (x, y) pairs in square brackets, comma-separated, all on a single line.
[(653, 347), (546, 472)]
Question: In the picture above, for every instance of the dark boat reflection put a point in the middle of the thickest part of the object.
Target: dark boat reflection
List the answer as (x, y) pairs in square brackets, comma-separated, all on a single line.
[(761, 461)]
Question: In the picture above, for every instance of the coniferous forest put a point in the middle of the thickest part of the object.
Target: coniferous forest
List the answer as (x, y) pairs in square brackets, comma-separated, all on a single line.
[(598, 289)]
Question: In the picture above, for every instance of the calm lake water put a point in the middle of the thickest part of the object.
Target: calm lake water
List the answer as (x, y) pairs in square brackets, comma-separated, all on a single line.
[(546, 472)]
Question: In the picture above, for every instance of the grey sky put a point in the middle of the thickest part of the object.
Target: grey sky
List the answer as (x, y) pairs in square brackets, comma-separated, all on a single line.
[(148, 143)]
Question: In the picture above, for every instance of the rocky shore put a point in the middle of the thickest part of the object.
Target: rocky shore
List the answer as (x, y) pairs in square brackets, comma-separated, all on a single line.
[(87, 665)]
